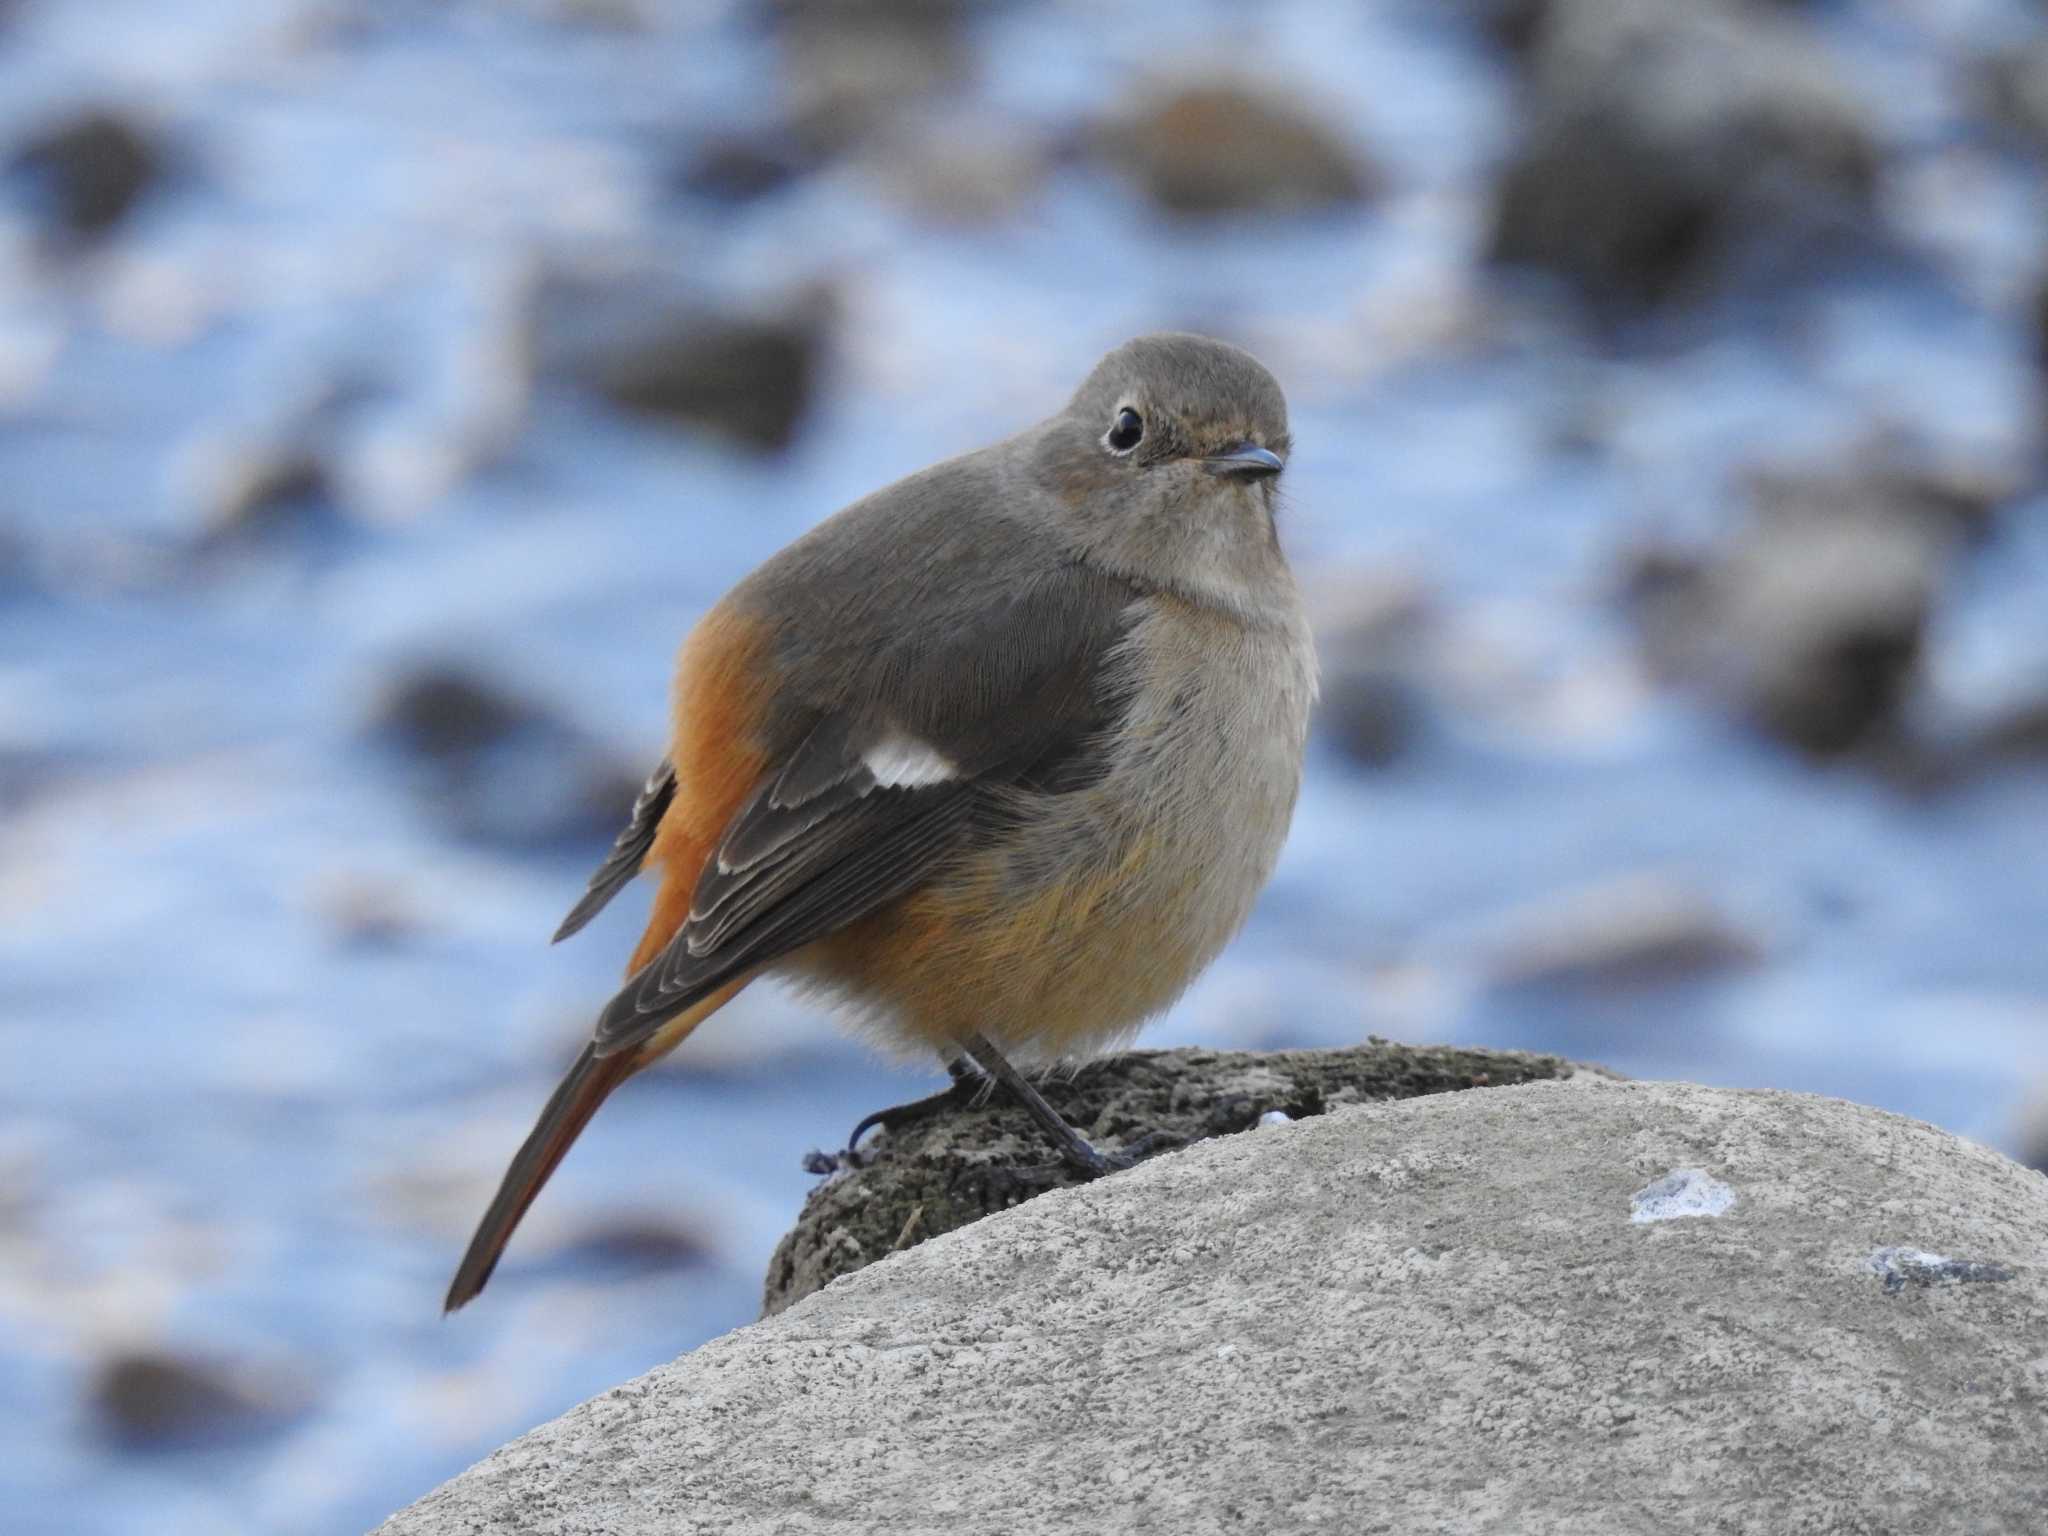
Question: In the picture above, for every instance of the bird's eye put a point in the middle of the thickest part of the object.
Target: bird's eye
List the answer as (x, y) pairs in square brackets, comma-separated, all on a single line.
[(1125, 431)]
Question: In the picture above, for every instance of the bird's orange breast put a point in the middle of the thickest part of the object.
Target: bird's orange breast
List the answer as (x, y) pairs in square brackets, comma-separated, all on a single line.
[(720, 696)]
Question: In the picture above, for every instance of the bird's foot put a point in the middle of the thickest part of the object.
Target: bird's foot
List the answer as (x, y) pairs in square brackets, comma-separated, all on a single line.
[(995, 1185), (961, 1093), (1151, 1144)]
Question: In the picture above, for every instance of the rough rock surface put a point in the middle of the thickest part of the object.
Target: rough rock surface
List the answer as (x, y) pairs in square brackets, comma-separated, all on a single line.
[(941, 1173), (1449, 1314)]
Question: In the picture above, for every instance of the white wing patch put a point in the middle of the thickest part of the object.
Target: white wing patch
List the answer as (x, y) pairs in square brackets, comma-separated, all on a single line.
[(898, 761)]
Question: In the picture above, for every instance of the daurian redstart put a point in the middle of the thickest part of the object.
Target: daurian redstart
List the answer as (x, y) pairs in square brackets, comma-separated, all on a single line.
[(997, 757)]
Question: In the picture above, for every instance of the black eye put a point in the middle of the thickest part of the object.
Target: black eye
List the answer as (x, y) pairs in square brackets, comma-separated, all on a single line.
[(1124, 434)]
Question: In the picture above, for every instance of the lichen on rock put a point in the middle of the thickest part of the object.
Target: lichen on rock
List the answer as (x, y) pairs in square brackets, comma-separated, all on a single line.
[(981, 1153)]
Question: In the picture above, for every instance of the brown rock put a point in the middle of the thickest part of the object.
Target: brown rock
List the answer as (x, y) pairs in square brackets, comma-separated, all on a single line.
[(1205, 148), (969, 1160)]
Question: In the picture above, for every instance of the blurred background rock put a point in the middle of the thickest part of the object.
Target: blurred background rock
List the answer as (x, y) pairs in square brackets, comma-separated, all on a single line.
[(385, 386)]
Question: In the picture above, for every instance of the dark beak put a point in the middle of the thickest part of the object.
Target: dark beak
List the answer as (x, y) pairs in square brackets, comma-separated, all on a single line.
[(1245, 461)]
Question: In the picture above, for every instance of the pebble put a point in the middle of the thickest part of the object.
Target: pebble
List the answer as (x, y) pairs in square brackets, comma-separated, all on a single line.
[(1208, 148), (1634, 930), (156, 1399)]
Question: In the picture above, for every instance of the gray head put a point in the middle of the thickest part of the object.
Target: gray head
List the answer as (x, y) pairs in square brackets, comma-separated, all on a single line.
[(1164, 467)]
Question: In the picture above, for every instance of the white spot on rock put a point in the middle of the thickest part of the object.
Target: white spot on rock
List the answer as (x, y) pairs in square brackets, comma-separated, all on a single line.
[(1680, 1193), (1276, 1117)]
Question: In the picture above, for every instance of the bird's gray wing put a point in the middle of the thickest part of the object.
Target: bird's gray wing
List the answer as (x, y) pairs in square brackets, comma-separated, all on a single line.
[(627, 853), (890, 785)]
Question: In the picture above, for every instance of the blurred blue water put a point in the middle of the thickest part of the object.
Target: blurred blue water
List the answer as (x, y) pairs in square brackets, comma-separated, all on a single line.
[(232, 1125)]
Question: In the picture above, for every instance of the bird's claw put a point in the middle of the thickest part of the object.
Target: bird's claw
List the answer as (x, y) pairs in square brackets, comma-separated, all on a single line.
[(1150, 1145), (822, 1164)]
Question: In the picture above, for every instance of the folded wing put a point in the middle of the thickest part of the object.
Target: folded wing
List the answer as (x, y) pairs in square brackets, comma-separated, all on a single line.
[(907, 770)]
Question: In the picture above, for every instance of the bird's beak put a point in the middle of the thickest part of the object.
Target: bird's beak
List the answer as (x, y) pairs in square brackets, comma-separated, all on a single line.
[(1245, 461)]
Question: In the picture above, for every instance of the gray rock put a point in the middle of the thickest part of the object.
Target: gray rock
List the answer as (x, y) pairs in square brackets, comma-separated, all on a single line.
[(1425, 1317), (2030, 1127), (1372, 639), (1516, 24), (1633, 930), (90, 170), (280, 481), (736, 168), (498, 767), (1817, 632), (1811, 618), (262, 490), (659, 350), (964, 169), (2012, 86), (956, 1167), (1663, 141), (2016, 732), (854, 67), (158, 1399), (1207, 148)]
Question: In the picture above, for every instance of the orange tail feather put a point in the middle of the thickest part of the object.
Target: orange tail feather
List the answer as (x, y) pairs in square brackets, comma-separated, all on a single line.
[(588, 1084)]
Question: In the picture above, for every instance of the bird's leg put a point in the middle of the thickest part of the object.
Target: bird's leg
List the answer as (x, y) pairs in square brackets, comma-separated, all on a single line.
[(1074, 1147), (958, 1094), (960, 1091)]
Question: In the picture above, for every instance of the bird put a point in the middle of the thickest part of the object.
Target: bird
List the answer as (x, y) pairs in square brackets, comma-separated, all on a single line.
[(995, 759)]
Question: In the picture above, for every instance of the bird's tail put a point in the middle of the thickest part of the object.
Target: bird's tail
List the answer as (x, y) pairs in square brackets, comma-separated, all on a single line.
[(588, 1084)]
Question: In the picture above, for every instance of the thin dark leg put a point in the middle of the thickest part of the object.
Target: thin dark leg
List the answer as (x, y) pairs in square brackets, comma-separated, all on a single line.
[(1074, 1147)]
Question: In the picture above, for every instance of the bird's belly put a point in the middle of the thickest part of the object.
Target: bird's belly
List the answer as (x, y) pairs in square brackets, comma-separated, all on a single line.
[(1099, 906)]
